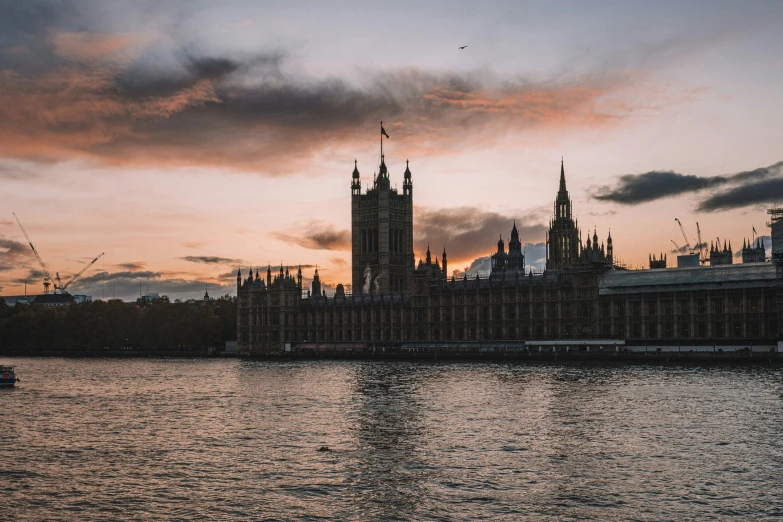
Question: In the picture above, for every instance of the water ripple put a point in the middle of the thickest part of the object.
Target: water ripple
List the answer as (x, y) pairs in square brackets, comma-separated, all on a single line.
[(225, 439)]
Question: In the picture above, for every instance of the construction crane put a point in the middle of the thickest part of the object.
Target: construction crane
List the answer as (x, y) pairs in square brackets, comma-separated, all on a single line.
[(678, 247), (74, 278), (685, 237), (47, 277), (701, 245)]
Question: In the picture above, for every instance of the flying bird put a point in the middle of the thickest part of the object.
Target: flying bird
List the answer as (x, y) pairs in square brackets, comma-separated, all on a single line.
[(463, 46)]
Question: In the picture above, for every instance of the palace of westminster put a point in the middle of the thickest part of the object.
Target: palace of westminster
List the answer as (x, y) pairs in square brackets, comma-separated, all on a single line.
[(582, 294)]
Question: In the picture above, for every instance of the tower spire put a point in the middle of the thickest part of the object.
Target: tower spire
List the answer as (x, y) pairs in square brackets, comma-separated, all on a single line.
[(562, 176)]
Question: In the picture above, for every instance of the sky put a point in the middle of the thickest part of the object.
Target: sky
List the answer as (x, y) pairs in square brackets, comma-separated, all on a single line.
[(187, 139)]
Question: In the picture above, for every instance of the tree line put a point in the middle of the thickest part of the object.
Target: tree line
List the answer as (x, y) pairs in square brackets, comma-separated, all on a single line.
[(110, 327)]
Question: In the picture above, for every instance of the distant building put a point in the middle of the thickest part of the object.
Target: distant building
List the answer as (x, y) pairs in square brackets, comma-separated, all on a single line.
[(659, 262), (510, 263), (688, 260), (46, 299), (148, 298), (54, 299), (721, 257), (754, 253), (13, 300)]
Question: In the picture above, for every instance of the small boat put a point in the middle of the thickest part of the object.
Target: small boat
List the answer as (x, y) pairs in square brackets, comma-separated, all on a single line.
[(7, 377)]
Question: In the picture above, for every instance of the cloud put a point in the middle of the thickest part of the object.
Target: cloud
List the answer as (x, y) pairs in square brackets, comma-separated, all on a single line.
[(15, 254), (34, 277), (103, 277), (535, 255), (468, 232), (76, 90), (316, 235), (633, 189), (127, 285), (338, 262), (767, 191), (213, 260), (756, 186), (132, 266)]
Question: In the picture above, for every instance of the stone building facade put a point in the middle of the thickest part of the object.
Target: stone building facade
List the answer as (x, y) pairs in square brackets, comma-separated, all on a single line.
[(581, 295), (381, 233)]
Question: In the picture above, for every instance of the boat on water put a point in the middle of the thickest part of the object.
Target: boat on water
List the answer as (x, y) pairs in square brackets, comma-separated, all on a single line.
[(7, 377)]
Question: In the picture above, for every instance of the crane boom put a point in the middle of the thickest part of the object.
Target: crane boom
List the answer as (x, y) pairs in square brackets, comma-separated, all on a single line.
[(684, 236), (700, 245), (74, 278), (47, 277)]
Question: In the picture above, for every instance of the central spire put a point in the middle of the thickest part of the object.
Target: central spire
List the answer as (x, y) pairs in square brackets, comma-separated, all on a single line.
[(562, 177), (383, 171)]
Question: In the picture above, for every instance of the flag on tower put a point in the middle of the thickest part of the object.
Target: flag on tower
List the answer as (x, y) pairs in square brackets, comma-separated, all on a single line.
[(383, 131), (754, 230)]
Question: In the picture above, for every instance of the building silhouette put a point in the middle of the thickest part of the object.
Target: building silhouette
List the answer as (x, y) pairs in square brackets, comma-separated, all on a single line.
[(754, 253), (396, 303), (381, 233), (511, 263)]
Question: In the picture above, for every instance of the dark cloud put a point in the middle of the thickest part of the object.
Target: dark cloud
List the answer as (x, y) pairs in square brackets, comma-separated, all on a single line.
[(15, 254), (70, 88), (103, 277), (751, 186), (34, 277), (128, 286), (132, 266), (763, 192), (468, 232), (316, 235), (213, 260), (633, 189)]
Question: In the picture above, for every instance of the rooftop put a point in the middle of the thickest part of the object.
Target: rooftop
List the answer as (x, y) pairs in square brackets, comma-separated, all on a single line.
[(745, 275)]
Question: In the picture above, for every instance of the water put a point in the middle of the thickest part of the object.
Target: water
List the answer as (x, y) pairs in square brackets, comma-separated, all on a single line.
[(225, 439)]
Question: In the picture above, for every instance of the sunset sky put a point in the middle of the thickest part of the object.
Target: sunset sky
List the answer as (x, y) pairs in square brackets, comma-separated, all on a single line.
[(185, 139)]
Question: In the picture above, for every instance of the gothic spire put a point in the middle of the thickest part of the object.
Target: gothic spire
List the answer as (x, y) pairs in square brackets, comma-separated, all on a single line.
[(382, 171), (562, 177)]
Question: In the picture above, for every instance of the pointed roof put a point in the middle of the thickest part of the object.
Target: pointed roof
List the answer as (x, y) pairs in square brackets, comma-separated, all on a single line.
[(562, 177), (355, 169), (382, 170), (407, 170)]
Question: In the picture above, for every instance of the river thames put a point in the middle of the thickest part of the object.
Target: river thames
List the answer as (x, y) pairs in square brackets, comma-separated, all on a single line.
[(150, 439)]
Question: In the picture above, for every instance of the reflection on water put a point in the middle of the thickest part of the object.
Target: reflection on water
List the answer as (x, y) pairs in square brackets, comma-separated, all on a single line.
[(152, 439)]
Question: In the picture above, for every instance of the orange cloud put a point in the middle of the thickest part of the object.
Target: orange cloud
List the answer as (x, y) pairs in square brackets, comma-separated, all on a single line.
[(91, 47), (213, 112)]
